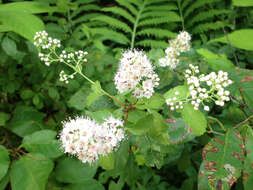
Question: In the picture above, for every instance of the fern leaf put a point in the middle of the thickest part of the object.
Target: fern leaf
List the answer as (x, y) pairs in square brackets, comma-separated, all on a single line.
[(114, 23), (208, 26), (85, 18), (160, 20), (196, 5), (90, 7), (81, 2), (186, 3), (152, 43), (206, 15), (112, 35), (157, 14), (157, 32), (137, 3), (121, 12), (149, 2), (161, 8), (128, 5)]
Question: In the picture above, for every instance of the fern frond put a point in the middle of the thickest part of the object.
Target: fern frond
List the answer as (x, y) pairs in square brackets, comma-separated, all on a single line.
[(186, 3), (160, 20), (137, 3), (109, 34), (128, 6), (157, 32), (89, 7), (149, 2), (152, 43), (157, 14), (206, 15), (82, 2), (161, 8), (208, 26), (114, 23), (85, 18), (121, 12), (198, 4)]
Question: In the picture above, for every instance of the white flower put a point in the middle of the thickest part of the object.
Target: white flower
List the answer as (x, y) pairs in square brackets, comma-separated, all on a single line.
[(87, 140), (206, 108), (180, 44), (136, 73)]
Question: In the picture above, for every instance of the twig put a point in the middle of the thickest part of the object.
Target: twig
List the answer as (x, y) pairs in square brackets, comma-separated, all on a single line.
[(243, 122), (236, 60), (242, 103)]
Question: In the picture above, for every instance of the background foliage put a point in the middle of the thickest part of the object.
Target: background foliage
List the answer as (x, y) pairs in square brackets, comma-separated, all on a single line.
[(162, 153)]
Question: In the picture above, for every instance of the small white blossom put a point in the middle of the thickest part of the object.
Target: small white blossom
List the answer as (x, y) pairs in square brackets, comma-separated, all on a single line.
[(180, 44), (87, 140), (136, 73)]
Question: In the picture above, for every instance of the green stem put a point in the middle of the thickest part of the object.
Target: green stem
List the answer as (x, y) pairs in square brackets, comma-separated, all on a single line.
[(136, 24), (181, 13), (220, 124)]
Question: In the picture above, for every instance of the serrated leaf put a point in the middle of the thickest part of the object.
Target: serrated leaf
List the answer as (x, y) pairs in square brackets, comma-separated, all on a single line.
[(95, 94), (43, 142), (248, 163), (72, 170), (30, 172), (223, 159), (155, 102), (142, 126), (195, 119), (4, 161)]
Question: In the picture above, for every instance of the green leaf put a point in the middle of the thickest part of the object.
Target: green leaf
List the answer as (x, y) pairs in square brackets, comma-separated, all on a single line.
[(195, 119), (4, 161), (107, 162), (243, 81), (22, 23), (243, 3), (223, 159), (217, 62), (26, 94), (90, 184), (155, 102), (3, 118), (30, 172), (99, 115), (142, 126), (9, 46), (239, 38), (183, 92), (43, 142), (248, 163), (25, 121), (28, 7), (135, 115), (95, 94), (179, 131), (72, 170), (78, 100)]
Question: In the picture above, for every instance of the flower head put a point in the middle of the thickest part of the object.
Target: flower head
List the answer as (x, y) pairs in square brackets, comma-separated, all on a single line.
[(87, 140), (178, 45), (136, 73)]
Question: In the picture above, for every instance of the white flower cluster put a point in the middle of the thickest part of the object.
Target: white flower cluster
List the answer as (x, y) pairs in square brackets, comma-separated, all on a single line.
[(42, 40), (180, 44), (65, 77), (203, 88), (136, 73), (77, 56), (87, 140)]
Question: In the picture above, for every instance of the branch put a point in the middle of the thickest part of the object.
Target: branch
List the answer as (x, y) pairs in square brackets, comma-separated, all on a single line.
[(243, 122)]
